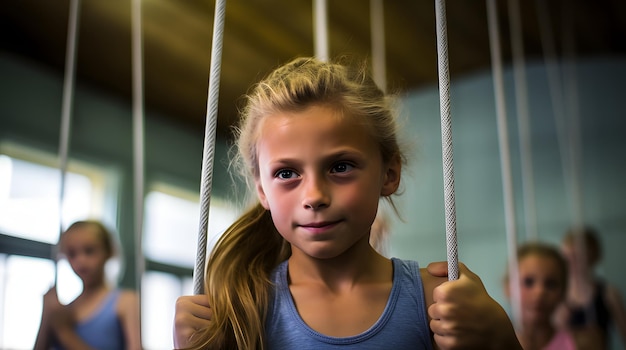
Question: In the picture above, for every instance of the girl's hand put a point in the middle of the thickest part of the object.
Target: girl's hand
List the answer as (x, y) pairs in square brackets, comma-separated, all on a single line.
[(193, 313), (60, 317), (464, 316), (51, 302)]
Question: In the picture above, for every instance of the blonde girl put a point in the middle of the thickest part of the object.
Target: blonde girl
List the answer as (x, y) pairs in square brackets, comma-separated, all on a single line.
[(319, 143)]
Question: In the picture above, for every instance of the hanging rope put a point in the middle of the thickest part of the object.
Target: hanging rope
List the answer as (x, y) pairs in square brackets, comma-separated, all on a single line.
[(377, 19), (446, 141), (209, 144), (523, 120), (66, 113), (320, 20), (505, 162), (138, 138)]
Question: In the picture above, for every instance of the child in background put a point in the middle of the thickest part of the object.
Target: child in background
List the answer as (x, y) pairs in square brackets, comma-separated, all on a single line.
[(592, 304), (542, 275), (100, 317), (297, 271)]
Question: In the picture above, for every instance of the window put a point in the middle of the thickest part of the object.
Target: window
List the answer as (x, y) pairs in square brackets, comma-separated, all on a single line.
[(171, 222), (29, 220)]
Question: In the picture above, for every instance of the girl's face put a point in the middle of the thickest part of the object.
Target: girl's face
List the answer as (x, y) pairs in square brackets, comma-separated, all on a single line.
[(542, 288), (321, 176), (85, 251)]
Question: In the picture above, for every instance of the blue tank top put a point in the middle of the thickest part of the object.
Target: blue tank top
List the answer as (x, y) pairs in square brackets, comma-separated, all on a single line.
[(402, 325), (103, 330)]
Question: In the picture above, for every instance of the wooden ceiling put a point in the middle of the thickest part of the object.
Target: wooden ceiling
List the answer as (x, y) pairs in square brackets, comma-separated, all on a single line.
[(260, 34)]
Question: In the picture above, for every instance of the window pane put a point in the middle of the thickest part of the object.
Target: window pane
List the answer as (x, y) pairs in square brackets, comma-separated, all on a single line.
[(157, 305), (171, 227), (29, 199), (26, 281)]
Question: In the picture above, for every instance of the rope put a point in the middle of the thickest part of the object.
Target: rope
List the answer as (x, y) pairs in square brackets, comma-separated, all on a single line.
[(209, 144), (66, 114), (446, 141), (138, 138), (321, 29), (505, 162), (523, 120), (378, 43)]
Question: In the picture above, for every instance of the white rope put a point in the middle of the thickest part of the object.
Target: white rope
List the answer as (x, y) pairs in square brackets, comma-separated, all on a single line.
[(554, 81), (320, 21), (209, 144), (446, 141), (523, 120), (377, 19), (66, 113), (569, 142), (573, 112), (505, 162), (138, 138)]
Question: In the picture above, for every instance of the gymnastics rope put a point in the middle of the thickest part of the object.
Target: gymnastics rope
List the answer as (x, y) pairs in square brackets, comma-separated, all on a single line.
[(377, 19), (568, 139), (66, 115), (138, 138), (523, 120), (320, 21), (446, 141), (209, 144), (505, 161)]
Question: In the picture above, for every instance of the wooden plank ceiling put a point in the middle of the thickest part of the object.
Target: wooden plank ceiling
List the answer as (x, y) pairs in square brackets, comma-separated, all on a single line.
[(260, 34)]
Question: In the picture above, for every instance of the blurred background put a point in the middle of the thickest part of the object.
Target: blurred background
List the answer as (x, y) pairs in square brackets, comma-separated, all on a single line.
[(581, 43)]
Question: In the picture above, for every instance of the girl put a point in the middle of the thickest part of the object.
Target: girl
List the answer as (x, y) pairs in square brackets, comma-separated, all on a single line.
[(593, 305), (297, 271), (543, 281), (100, 317)]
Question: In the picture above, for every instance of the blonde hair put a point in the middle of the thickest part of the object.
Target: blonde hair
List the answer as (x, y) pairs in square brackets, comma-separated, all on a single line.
[(238, 271)]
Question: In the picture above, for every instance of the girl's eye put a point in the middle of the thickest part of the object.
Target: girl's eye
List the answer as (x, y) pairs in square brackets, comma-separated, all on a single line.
[(286, 174), (341, 168)]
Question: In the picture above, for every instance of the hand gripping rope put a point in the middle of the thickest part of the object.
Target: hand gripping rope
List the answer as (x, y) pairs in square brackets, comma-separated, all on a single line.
[(209, 145)]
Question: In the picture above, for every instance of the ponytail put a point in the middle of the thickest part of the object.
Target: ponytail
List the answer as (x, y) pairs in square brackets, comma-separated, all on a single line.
[(238, 282)]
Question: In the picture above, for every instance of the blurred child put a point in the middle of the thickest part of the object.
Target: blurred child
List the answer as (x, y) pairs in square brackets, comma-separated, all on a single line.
[(542, 273), (592, 304), (100, 317), (297, 271)]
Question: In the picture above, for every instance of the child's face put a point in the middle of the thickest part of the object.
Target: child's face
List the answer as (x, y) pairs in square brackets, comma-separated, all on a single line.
[(541, 286), (84, 250), (321, 176)]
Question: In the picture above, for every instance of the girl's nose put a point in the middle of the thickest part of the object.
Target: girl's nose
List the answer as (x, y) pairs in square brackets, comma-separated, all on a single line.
[(315, 194)]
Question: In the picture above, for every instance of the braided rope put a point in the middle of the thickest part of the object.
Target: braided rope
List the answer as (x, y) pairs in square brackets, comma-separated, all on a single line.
[(446, 141), (209, 145), (505, 161)]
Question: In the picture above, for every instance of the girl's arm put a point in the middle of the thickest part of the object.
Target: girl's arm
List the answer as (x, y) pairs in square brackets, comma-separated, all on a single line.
[(51, 305), (193, 313), (129, 314), (463, 315)]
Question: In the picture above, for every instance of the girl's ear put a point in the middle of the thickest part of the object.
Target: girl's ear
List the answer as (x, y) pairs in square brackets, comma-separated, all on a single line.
[(391, 180), (261, 194)]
